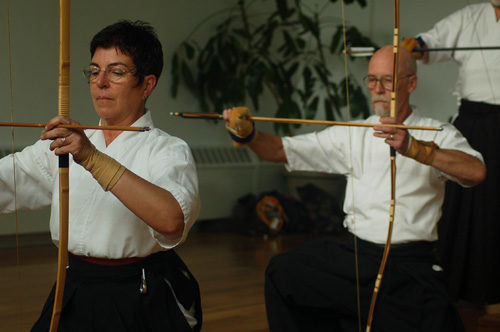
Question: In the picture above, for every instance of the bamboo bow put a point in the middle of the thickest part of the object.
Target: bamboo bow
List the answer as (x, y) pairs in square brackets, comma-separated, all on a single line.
[(393, 114), (63, 109)]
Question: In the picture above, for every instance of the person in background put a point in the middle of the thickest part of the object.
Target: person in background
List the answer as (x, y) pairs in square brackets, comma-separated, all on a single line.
[(469, 230), (313, 287), (133, 198)]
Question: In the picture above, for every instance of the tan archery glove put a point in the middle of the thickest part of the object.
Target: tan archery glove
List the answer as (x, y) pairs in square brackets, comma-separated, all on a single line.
[(422, 151), (241, 128), (103, 168), (412, 43)]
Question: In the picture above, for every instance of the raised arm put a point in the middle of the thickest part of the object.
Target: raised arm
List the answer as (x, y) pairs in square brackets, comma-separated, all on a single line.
[(242, 131)]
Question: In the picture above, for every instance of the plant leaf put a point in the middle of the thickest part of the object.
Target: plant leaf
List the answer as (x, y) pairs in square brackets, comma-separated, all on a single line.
[(189, 50), (337, 36), (312, 108), (322, 73), (362, 3), (309, 82), (188, 76), (328, 110), (300, 43), (291, 70), (174, 72), (309, 25), (282, 8)]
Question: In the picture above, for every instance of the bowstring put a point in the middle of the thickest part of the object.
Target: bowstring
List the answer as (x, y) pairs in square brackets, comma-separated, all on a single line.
[(351, 168), (13, 150)]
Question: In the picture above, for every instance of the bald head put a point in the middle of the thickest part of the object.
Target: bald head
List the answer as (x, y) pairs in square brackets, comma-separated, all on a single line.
[(407, 64)]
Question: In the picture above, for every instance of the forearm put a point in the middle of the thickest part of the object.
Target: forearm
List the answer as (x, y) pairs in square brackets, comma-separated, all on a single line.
[(469, 170), (154, 205), (268, 147)]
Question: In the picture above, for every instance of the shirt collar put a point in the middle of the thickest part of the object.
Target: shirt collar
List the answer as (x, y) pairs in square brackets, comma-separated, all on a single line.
[(144, 121), (414, 115)]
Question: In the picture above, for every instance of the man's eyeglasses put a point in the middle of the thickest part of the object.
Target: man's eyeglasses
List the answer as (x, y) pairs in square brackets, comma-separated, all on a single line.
[(385, 81), (113, 73)]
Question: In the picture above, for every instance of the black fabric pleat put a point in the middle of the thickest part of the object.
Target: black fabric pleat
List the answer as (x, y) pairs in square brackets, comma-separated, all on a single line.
[(107, 298), (469, 230)]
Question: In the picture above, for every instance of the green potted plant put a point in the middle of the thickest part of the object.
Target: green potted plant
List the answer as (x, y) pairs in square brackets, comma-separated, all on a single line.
[(283, 53)]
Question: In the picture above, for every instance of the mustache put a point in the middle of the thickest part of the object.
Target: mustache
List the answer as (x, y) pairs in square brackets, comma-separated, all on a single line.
[(380, 98)]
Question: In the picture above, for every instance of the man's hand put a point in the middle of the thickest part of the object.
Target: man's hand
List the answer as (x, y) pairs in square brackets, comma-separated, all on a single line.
[(422, 151), (395, 137)]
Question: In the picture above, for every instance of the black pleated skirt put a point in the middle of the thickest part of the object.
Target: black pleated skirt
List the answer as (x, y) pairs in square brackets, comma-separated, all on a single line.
[(469, 231), (108, 298)]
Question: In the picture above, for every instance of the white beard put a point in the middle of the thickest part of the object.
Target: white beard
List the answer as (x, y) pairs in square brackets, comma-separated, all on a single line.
[(380, 110)]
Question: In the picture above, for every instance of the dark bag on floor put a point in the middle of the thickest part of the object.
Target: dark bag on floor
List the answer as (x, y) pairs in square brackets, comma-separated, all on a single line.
[(270, 213), (324, 212)]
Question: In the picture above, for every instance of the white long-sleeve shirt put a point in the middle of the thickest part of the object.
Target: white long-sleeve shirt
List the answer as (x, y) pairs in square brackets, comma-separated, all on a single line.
[(99, 224), (479, 71), (419, 188)]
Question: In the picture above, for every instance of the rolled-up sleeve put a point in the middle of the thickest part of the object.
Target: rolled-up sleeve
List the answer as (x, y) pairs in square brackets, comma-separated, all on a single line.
[(29, 187), (174, 170)]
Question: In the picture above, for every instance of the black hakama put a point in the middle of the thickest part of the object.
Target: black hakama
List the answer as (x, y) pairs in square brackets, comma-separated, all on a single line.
[(108, 298), (313, 288), (469, 230)]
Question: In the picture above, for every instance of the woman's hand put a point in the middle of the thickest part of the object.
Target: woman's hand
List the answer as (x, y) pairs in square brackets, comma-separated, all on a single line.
[(67, 140)]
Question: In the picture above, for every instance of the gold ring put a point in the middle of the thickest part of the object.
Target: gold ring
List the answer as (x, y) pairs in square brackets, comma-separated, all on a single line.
[(392, 136), (63, 140)]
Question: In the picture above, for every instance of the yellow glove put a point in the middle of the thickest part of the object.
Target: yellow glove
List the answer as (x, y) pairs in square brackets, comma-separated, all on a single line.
[(241, 128), (103, 168), (411, 43), (422, 151)]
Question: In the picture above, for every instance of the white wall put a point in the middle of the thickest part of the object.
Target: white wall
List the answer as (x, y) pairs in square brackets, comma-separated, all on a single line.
[(34, 46)]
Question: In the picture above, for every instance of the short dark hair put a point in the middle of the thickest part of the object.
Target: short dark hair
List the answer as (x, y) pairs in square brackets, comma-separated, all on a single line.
[(135, 39)]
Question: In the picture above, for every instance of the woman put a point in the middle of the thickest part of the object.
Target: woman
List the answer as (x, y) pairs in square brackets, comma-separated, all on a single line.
[(134, 199)]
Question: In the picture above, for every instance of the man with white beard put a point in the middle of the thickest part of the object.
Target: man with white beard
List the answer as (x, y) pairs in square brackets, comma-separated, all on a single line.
[(313, 287), (469, 230)]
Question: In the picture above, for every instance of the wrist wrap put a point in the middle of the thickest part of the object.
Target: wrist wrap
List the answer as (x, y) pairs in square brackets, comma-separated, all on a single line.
[(103, 168)]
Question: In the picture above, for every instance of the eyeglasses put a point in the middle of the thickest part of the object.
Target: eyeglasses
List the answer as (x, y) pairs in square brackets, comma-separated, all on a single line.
[(113, 73), (385, 81)]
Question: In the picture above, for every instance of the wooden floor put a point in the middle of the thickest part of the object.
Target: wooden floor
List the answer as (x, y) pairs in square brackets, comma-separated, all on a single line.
[(229, 267)]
